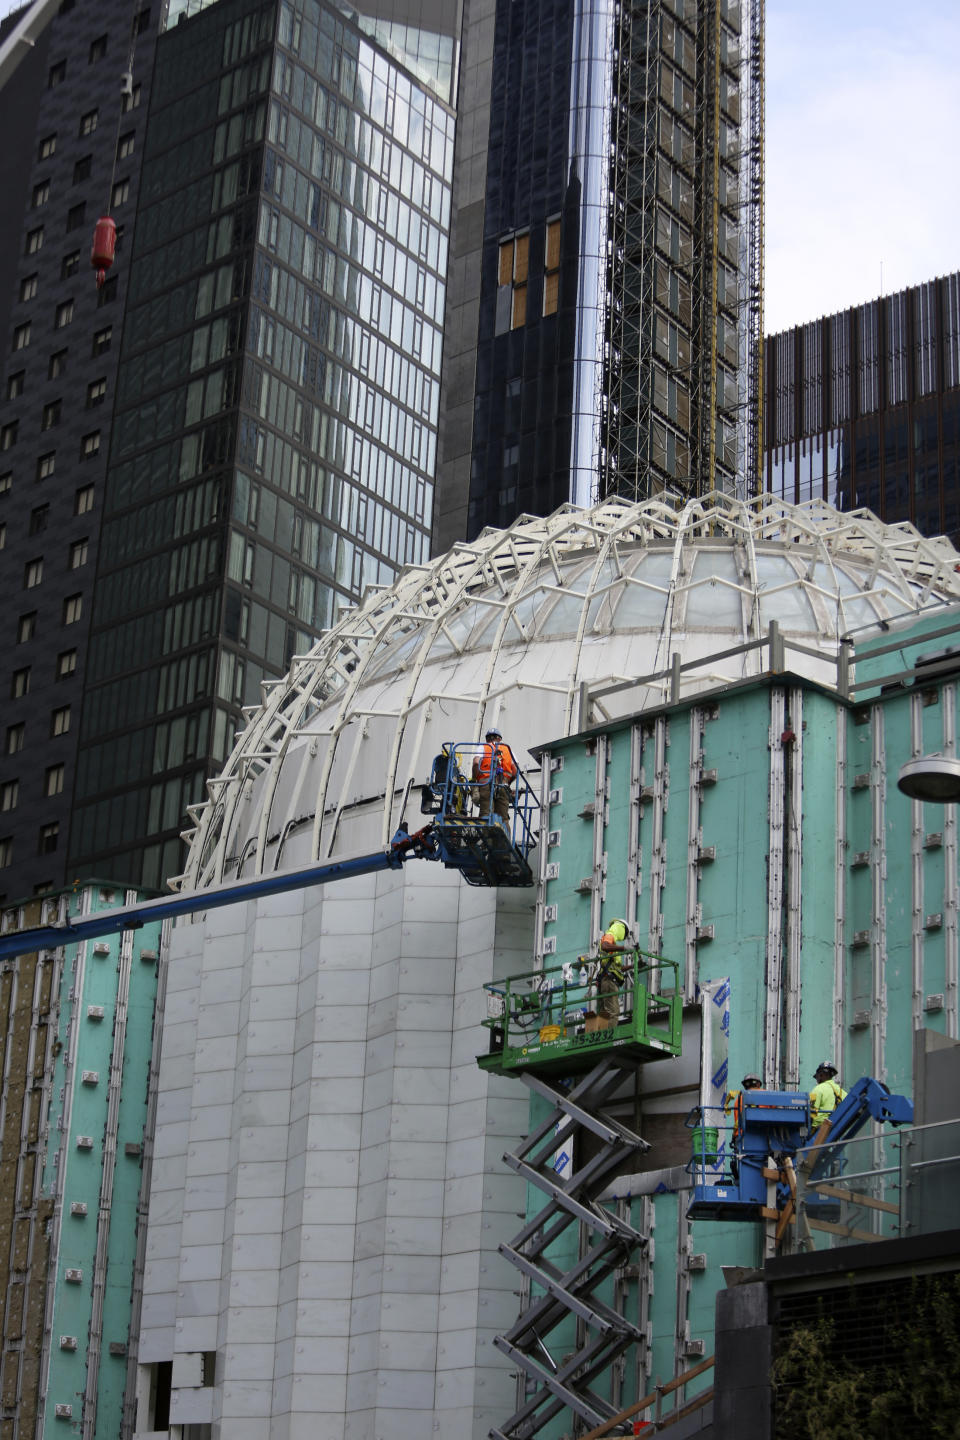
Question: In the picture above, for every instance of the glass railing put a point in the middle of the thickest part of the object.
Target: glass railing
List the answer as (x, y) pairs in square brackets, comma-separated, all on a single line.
[(894, 1183)]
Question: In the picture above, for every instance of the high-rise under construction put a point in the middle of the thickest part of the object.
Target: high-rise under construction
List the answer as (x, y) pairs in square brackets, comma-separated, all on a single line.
[(604, 329)]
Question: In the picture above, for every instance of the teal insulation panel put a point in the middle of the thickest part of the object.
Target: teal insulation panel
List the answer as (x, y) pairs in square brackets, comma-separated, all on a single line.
[(84, 1128)]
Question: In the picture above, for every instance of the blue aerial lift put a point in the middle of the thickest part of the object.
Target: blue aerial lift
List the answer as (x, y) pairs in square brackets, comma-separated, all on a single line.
[(486, 849), (767, 1137)]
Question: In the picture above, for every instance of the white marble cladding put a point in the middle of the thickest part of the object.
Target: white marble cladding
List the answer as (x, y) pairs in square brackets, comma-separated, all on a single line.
[(328, 1191)]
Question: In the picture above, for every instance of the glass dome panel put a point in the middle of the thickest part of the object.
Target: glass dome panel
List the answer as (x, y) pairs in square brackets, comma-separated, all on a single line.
[(857, 609), (564, 616), (641, 607), (782, 596), (710, 604)]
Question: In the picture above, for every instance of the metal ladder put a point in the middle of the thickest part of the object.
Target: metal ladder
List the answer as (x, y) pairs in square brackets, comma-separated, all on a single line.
[(605, 1243)]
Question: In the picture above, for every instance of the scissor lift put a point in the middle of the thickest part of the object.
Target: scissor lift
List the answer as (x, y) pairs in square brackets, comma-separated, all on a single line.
[(543, 1030)]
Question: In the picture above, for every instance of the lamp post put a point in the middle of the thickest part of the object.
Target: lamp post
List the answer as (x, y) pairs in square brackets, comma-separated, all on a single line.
[(935, 778)]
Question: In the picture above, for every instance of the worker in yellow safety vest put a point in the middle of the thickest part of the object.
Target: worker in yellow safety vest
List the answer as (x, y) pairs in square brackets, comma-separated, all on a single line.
[(494, 771), (610, 971), (826, 1094)]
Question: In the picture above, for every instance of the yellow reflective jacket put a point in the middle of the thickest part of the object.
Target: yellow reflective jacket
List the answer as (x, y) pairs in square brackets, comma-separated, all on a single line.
[(824, 1099)]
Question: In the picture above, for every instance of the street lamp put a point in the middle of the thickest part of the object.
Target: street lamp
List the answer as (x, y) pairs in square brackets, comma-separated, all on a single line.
[(932, 777)]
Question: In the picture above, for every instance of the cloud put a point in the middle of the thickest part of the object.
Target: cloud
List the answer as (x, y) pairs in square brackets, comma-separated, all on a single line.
[(863, 120)]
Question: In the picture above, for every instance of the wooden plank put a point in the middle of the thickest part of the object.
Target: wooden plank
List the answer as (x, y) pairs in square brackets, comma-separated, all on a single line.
[(648, 1400), (848, 1230), (854, 1196)]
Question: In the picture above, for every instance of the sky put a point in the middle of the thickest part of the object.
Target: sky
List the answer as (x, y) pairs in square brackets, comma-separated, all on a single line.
[(862, 152)]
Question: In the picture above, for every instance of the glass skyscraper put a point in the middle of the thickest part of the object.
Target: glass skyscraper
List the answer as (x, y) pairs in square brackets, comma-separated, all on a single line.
[(604, 314), (271, 435)]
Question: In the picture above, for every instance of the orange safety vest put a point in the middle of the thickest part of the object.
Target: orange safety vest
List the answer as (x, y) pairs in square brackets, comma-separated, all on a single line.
[(506, 766)]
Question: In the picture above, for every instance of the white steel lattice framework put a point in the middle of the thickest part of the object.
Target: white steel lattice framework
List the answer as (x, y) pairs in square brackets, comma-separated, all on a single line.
[(508, 629)]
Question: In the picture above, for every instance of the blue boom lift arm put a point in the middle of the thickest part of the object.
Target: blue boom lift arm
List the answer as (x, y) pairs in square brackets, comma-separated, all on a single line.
[(483, 847)]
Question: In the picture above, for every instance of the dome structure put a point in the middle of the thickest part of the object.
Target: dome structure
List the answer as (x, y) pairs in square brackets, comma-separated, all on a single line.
[(540, 629)]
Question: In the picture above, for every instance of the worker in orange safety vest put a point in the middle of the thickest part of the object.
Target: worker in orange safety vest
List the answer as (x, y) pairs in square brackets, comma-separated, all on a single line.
[(494, 771)]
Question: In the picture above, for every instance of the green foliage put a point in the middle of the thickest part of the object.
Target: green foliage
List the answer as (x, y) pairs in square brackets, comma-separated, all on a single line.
[(826, 1390)]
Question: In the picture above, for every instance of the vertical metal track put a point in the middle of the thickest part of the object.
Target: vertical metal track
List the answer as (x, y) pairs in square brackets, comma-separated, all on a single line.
[(794, 925), (643, 1350), (600, 792), (658, 855), (916, 873), (878, 882), (694, 838), (150, 1129), (545, 774), (775, 863), (840, 888), (634, 852), (948, 701), (95, 1340), (684, 1249)]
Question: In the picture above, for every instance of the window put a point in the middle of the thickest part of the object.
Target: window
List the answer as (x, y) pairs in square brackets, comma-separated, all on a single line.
[(56, 74), (33, 573), (15, 384), (9, 794), (60, 721), (21, 336), (119, 193), (8, 435), (6, 852), (6, 482), (49, 838), (34, 240), (141, 21), (512, 281), (125, 145), (82, 169), (66, 663), (20, 683), (90, 445), (83, 500), (46, 465), (78, 553), (53, 780), (76, 215), (98, 48), (101, 340), (63, 315), (130, 101), (50, 415), (14, 742), (26, 627), (72, 609), (96, 391), (28, 286), (47, 147), (107, 292), (89, 122), (3, 534), (58, 363), (39, 518), (70, 264), (41, 194)]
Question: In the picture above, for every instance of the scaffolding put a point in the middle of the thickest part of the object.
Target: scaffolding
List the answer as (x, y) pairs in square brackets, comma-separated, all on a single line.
[(683, 331)]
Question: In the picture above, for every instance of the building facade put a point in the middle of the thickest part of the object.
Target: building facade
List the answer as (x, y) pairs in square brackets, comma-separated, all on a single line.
[(268, 449), (336, 1240), (863, 408), (603, 317), (83, 144)]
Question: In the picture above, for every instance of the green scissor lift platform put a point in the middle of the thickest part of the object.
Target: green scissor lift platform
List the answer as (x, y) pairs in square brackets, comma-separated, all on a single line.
[(545, 1020)]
